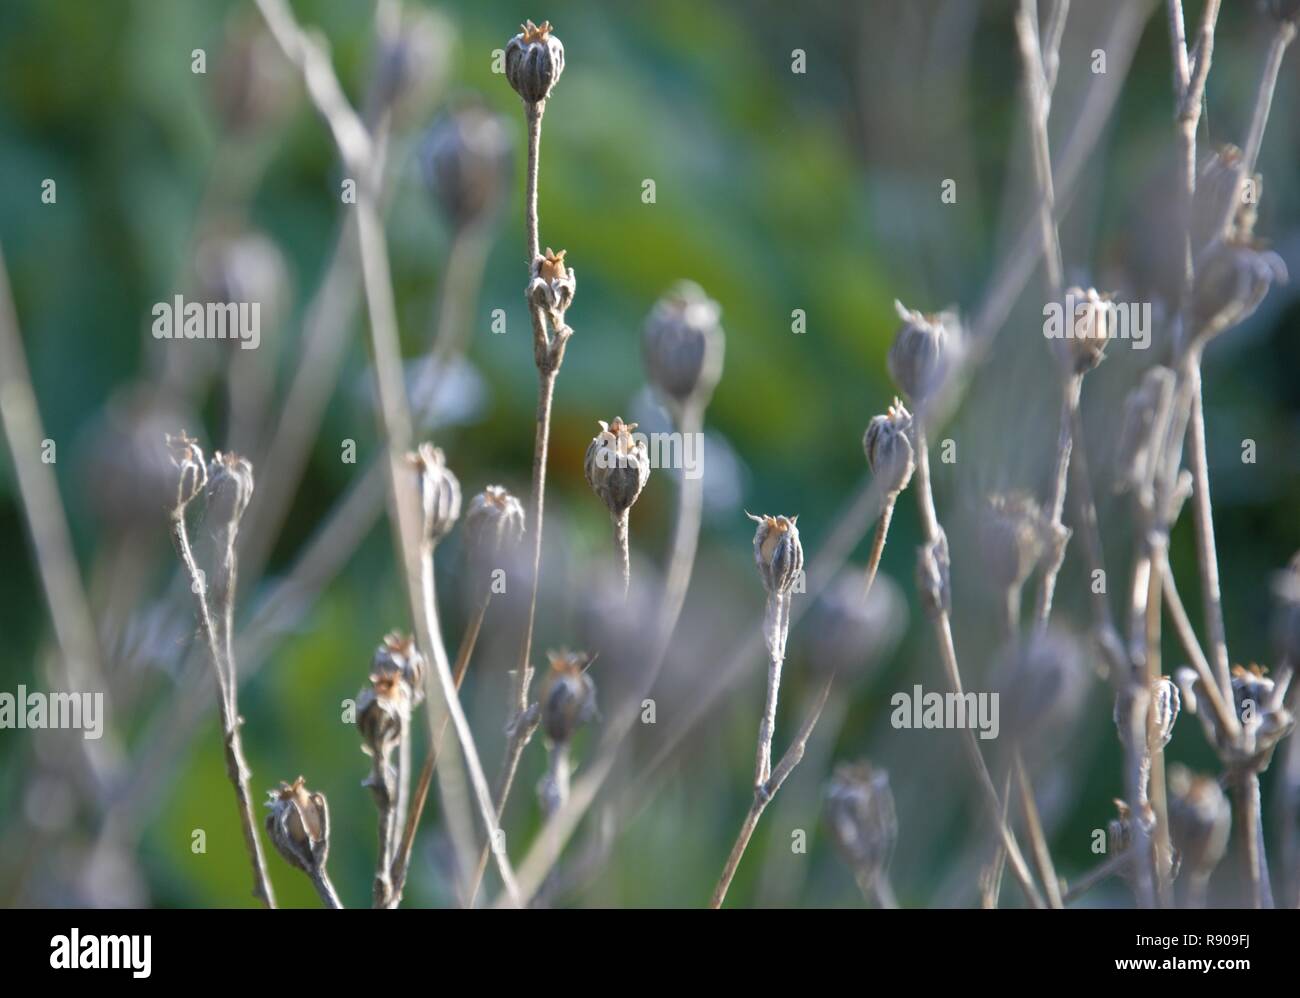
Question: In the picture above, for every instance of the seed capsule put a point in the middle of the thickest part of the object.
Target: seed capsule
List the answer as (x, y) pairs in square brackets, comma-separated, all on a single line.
[(381, 712), (1232, 278), (569, 699), (552, 285), (848, 635), (439, 491), (888, 448), (494, 525), (778, 553), (617, 465), (299, 825), (1014, 535), (1200, 819), (1092, 319), (1144, 412), (187, 458), (924, 351), (683, 344), (534, 61), (466, 161), (859, 811), (398, 657), (1042, 682)]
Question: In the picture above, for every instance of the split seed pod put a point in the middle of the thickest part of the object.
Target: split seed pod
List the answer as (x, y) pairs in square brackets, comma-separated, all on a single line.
[(617, 465), (778, 552), (299, 825)]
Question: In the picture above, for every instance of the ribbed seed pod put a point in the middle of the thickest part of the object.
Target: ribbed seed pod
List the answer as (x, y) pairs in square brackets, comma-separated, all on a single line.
[(569, 698), (1232, 278), (398, 656), (299, 825), (924, 351), (1200, 819), (683, 345), (860, 814), (617, 465), (381, 712), (778, 552), (1041, 683), (192, 470), (494, 526), (552, 284), (888, 448), (534, 61), (439, 491), (1014, 534), (466, 160), (848, 635)]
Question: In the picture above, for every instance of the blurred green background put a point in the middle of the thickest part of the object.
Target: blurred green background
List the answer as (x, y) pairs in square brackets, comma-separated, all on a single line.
[(776, 191)]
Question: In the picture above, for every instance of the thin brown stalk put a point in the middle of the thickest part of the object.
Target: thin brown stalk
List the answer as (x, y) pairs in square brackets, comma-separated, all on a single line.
[(1037, 841), (1055, 508)]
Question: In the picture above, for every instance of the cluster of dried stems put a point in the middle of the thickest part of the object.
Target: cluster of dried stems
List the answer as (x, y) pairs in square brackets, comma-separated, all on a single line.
[(1243, 714)]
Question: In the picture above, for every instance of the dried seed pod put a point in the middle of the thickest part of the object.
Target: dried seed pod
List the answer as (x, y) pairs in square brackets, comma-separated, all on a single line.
[(1166, 704), (617, 465), (299, 825), (230, 486), (569, 699), (1139, 435), (1014, 535), (382, 709), (398, 656), (552, 284), (412, 64), (924, 351), (1041, 681), (534, 61), (243, 267), (253, 84), (1219, 210), (778, 552), (1092, 324), (859, 811), (466, 160), (683, 344), (888, 448), (1232, 278), (439, 491), (1200, 819), (1251, 691), (494, 525), (848, 635), (187, 458)]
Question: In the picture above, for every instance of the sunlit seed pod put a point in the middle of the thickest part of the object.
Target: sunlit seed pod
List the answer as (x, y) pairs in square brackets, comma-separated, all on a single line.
[(1092, 325), (683, 344), (552, 284), (778, 552), (924, 352), (859, 811), (1232, 278), (382, 708), (617, 465), (534, 61), (888, 448), (466, 161), (439, 491), (299, 825), (398, 656), (569, 697)]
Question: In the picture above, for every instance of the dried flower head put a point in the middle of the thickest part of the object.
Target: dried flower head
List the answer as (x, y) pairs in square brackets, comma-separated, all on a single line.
[(1200, 819), (466, 161), (187, 458), (230, 486), (860, 814), (569, 698), (552, 284), (1041, 681), (397, 656), (1232, 278), (617, 465), (848, 635), (924, 352), (534, 61), (1165, 704), (1092, 322), (1014, 534), (382, 710), (888, 448), (1225, 205), (299, 825), (494, 525), (411, 67), (683, 344), (778, 552), (439, 491)]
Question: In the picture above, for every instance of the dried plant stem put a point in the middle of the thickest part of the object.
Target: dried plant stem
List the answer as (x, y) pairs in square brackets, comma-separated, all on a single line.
[(402, 862), (1249, 827), (1286, 31), (1162, 855), (325, 888), (621, 544), (1203, 520), (878, 544), (1071, 391), (1038, 842), (775, 622), (933, 535), (763, 794), (1102, 871), (1226, 718), (236, 767)]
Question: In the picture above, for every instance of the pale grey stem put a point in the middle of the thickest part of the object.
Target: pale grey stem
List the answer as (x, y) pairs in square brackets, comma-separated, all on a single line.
[(622, 547), (1056, 499), (932, 533), (328, 895), (1153, 757), (1037, 840), (1227, 719), (236, 767), (763, 794), (1037, 101), (385, 794), (403, 787), (1104, 870), (1246, 785), (767, 725), (1286, 31), (1203, 518)]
